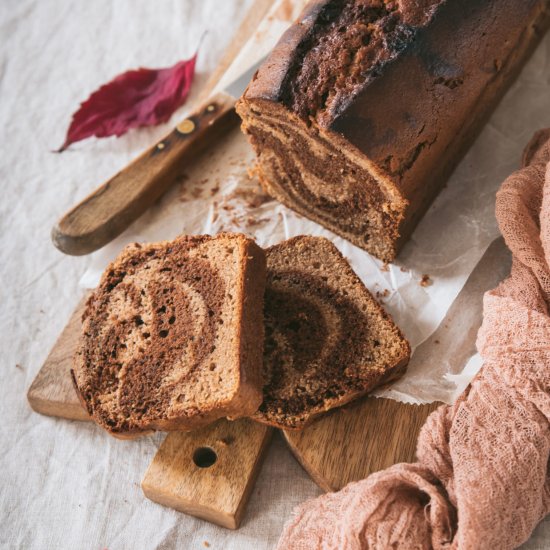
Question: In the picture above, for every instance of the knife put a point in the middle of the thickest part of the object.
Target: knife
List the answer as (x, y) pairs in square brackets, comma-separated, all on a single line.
[(113, 206)]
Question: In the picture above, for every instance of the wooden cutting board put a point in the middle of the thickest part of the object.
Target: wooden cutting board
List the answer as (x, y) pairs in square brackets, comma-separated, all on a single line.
[(209, 473)]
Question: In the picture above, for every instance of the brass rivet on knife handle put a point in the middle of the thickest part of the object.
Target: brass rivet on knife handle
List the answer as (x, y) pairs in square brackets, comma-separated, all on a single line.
[(186, 126), (111, 208)]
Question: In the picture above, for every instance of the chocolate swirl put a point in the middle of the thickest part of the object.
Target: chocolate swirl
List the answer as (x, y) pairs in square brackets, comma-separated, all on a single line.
[(318, 345), (151, 325), (326, 185)]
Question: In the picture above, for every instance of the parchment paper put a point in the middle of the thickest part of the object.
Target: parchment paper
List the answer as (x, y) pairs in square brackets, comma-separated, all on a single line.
[(217, 194)]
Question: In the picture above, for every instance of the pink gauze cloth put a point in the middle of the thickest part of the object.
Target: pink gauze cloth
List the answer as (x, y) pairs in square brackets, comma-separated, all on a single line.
[(481, 480)]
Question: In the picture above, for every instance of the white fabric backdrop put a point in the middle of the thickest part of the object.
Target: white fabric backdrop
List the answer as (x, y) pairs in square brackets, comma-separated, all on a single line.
[(67, 484)]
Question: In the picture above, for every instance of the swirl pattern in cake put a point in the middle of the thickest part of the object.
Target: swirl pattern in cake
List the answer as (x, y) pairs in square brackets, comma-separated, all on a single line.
[(364, 107), (172, 336), (327, 341)]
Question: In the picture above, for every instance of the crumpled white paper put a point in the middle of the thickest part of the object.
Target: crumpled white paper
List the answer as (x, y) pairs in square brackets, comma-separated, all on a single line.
[(217, 194)]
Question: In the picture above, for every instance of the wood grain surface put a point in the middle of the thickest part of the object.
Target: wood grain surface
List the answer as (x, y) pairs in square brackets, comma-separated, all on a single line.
[(52, 392), (352, 442), (388, 428), (209, 473)]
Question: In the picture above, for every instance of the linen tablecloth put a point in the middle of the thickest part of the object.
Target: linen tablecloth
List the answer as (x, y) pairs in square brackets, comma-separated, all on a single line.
[(68, 484)]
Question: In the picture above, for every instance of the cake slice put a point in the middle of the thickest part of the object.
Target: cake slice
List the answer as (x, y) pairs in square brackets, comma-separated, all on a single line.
[(327, 340), (364, 107), (172, 337)]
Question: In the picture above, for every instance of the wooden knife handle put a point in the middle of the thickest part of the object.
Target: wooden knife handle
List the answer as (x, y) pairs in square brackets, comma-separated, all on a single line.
[(111, 208)]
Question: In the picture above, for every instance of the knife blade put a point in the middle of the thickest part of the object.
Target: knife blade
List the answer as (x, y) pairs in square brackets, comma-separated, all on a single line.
[(112, 207)]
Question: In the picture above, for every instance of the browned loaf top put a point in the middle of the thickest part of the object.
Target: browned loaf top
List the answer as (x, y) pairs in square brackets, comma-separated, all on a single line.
[(173, 336), (364, 107), (327, 340)]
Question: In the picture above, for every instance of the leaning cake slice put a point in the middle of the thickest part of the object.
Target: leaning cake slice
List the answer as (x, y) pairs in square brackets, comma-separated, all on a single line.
[(172, 337), (327, 340)]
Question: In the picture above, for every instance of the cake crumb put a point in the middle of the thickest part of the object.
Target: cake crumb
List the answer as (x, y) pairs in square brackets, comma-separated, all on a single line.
[(252, 197), (403, 269), (385, 267), (425, 281), (436, 341), (206, 544), (18, 366), (382, 294)]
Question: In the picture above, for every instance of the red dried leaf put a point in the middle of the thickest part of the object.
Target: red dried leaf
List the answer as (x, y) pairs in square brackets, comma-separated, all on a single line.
[(143, 97)]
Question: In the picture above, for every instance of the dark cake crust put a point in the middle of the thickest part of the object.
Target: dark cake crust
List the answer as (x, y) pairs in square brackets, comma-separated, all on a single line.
[(401, 87)]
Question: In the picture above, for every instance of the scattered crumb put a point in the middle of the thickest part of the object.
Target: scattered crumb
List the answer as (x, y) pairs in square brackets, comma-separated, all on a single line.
[(436, 341), (196, 192), (385, 267), (404, 269), (206, 544), (284, 11), (180, 180), (252, 172), (18, 366), (382, 294), (253, 198), (251, 221), (425, 281), (215, 189)]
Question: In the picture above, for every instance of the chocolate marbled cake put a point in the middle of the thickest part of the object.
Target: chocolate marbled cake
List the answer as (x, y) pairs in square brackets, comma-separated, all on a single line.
[(173, 336), (364, 107), (327, 340)]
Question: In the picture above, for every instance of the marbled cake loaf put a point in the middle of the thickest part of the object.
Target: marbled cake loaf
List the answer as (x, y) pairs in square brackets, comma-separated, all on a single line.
[(173, 336), (364, 107)]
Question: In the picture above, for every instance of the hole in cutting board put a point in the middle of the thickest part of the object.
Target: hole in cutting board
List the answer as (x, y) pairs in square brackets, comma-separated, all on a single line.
[(204, 457)]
